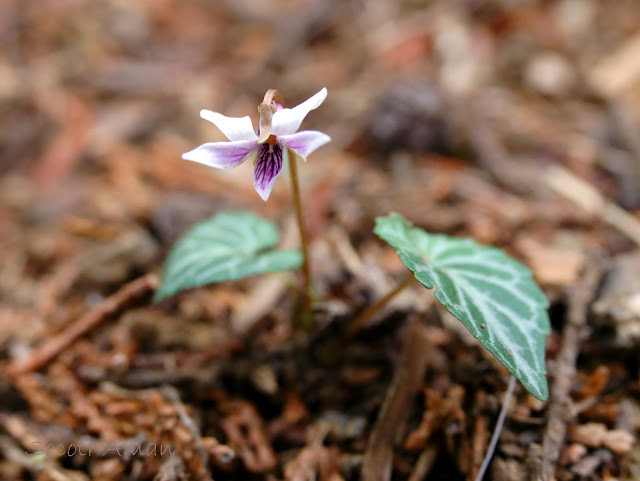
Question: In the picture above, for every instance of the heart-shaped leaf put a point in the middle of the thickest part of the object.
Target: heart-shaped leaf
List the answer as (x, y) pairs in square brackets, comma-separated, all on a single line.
[(228, 246), (493, 295)]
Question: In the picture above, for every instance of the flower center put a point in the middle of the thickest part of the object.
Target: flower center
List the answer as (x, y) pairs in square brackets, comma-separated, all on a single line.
[(266, 109)]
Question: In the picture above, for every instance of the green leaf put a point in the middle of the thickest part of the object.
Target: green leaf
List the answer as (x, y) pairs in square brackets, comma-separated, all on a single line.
[(493, 295), (226, 247)]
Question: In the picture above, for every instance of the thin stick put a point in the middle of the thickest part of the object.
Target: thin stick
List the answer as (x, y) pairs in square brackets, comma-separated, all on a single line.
[(497, 430), (306, 320), (560, 410), (92, 319), (586, 196), (424, 463), (408, 377), (172, 394), (370, 311)]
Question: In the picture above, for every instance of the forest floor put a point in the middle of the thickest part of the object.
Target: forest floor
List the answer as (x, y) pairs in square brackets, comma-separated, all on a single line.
[(515, 123)]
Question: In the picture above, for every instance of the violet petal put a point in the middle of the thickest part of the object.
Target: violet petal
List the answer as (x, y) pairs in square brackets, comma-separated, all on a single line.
[(268, 167), (222, 155), (305, 142)]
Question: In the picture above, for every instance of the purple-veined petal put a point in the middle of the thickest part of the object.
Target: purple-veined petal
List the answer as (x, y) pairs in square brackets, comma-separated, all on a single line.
[(268, 167), (235, 128), (222, 155), (305, 142), (287, 121)]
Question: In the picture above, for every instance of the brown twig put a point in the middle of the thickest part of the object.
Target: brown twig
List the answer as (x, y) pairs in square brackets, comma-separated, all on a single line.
[(378, 457), (173, 396), (560, 404), (247, 436), (424, 463), (586, 196), (111, 305)]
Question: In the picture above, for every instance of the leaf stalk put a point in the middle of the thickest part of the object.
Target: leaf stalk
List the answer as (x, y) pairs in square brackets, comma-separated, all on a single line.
[(370, 311)]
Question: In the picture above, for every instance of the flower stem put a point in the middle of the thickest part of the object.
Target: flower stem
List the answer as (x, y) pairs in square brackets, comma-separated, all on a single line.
[(370, 311), (497, 430), (305, 311)]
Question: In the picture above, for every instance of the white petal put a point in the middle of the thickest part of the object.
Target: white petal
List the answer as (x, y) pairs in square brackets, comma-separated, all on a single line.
[(234, 128), (287, 121), (305, 142), (222, 155)]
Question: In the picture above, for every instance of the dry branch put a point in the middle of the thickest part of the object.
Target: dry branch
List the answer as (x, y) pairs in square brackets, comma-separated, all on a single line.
[(111, 305), (560, 404), (378, 457)]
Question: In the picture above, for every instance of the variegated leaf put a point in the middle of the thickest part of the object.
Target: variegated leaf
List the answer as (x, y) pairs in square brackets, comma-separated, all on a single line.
[(226, 247), (493, 295)]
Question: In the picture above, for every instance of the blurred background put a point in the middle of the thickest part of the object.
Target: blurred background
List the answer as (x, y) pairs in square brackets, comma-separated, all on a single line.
[(450, 113), (99, 99)]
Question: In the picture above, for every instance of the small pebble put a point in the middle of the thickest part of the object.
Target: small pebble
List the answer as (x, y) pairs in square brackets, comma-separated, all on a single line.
[(549, 73)]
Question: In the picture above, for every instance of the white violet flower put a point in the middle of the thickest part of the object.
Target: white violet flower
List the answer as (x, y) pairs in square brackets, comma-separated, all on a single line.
[(277, 131)]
